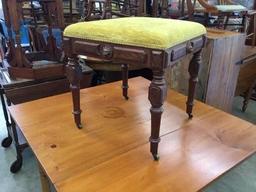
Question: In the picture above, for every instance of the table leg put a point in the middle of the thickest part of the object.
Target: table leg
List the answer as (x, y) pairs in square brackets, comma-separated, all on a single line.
[(4, 108), (156, 95), (125, 86), (74, 75), (17, 164), (44, 180), (193, 70), (6, 142)]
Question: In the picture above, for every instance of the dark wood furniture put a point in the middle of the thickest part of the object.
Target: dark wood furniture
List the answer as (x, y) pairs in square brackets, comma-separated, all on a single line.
[(251, 40), (250, 94), (23, 90), (223, 15), (106, 9), (155, 59), (47, 63), (112, 152), (251, 28)]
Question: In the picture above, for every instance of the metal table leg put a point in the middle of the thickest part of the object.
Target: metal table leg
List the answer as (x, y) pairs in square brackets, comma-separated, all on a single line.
[(6, 142)]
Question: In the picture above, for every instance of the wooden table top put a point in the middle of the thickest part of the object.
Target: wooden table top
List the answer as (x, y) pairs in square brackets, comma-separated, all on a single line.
[(111, 152)]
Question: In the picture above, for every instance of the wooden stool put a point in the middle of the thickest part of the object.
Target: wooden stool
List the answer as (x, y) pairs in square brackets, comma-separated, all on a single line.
[(153, 43)]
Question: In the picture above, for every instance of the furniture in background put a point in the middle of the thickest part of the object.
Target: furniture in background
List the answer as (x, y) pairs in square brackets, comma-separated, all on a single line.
[(33, 65), (251, 28), (224, 11), (113, 148), (73, 10), (218, 75), (155, 49), (247, 74), (23, 90), (250, 94), (250, 59), (106, 9)]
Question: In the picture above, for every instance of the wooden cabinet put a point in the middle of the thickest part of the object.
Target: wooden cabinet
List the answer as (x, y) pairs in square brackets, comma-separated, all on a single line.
[(219, 70)]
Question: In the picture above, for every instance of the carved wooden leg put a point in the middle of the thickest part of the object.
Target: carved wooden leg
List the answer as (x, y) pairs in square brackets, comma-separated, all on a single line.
[(125, 80), (193, 70), (74, 75), (156, 95)]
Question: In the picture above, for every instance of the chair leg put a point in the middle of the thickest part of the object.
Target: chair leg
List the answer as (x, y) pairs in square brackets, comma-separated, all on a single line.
[(74, 75), (243, 24), (193, 70), (157, 94), (254, 31), (125, 86), (226, 22), (206, 19), (248, 96)]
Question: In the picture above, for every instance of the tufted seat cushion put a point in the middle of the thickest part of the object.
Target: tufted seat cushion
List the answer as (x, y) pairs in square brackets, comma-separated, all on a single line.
[(155, 33), (230, 8)]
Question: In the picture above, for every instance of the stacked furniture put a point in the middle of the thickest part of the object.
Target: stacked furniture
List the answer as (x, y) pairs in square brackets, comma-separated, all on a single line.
[(41, 64), (224, 10)]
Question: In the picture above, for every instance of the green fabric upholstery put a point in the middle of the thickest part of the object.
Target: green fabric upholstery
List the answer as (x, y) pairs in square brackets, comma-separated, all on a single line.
[(156, 33), (230, 8)]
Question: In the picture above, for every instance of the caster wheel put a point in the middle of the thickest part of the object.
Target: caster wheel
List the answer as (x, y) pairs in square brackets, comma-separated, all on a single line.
[(156, 157), (79, 126), (6, 142), (16, 166), (190, 116), (126, 97)]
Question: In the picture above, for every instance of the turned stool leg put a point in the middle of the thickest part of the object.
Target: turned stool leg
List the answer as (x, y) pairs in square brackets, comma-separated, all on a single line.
[(156, 95), (193, 70), (74, 75), (125, 86)]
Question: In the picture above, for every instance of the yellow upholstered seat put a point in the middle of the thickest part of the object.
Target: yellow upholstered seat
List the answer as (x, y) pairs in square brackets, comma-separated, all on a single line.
[(155, 33)]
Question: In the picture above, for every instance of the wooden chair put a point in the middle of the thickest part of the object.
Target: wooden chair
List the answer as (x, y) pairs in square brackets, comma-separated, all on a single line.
[(251, 41), (147, 42), (106, 9), (34, 65), (224, 10), (251, 28)]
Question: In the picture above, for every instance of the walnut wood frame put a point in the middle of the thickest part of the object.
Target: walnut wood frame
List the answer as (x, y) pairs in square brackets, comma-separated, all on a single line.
[(157, 60)]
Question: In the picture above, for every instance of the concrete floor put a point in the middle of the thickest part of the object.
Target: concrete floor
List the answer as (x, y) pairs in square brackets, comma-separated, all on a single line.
[(240, 179)]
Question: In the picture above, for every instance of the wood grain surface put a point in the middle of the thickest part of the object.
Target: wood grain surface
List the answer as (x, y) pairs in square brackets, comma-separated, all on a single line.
[(111, 152)]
